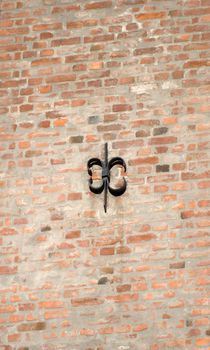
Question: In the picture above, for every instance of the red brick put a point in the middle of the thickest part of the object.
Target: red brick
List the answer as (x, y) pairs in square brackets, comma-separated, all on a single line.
[(163, 140), (12, 83), (150, 15), (50, 304), (61, 78), (78, 103), (69, 41), (204, 184), (60, 122), (35, 81), (45, 61), (203, 341), (148, 51), (46, 52), (46, 35), (98, 38), (73, 234), (26, 108), (7, 309), (147, 160), (74, 196), (196, 64), (47, 26), (122, 108), (14, 337), (26, 91), (127, 144), (204, 203), (44, 124), (77, 58), (123, 298), (86, 301), (8, 231), (161, 188), (14, 31), (123, 250), (107, 251), (26, 307), (24, 144), (162, 76), (7, 270), (124, 288), (54, 315), (81, 24), (98, 5), (34, 153), (139, 238), (140, 327), (68, 8)]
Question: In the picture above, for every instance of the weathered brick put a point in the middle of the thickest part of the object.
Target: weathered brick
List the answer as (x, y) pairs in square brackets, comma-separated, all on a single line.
[(81, 24), (62, 42), (107, 251), (196, 64), (121, 298), (160, 131), (150, 16), (61, 78), (28, 327), (98, 5), (31, 153), (140, 327), (139, 238), (178, 265), (50, 304), (7, 231), (47, 26), (74, 196), (148, 51), (98, 38), (86, 301)]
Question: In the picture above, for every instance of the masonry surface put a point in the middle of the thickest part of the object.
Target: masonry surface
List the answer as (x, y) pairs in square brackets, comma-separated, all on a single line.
[(74, 75)]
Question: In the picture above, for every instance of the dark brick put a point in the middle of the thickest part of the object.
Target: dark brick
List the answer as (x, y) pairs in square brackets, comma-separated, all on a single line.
[(189, 323), (27, 327), (160, 131), (76, 139), (178, 265), (164, 168), (94, 119), (46, 228), (103, 280)]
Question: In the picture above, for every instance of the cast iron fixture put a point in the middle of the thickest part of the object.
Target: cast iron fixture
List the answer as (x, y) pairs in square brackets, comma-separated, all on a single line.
[(106, 167)]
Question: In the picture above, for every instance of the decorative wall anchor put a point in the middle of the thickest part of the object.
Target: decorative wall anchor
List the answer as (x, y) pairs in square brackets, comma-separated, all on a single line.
[(106, 167)]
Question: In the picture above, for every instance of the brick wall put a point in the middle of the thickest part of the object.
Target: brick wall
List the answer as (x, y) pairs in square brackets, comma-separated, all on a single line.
[(74, 75)]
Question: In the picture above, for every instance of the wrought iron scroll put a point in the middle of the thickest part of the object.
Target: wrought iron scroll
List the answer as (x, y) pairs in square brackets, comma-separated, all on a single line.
[(106, 166)]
